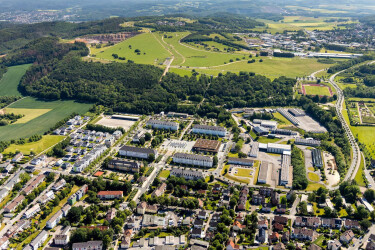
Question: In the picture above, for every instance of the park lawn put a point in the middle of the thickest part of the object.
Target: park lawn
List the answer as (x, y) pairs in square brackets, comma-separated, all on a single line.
[(233, 178), (281, 119), (243, 172), (10, 80), (359, 175), (58, 110), (263, 139), (152, 50), (271, 67), (186, 55), (164, 174), (29, 114), (37, 147), (317, 90), (313, 177), (313, 186), (181, 72)]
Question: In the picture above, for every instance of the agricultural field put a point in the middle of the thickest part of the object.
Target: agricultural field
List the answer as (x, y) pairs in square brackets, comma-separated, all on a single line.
[(313, 89), (10, 80), (150, 47), (37, 147), (37, 119), (293, 23)]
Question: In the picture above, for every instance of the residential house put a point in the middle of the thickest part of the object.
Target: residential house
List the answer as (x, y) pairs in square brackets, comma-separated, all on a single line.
[(274, 237), (110, 195), (262, 236), (160, 190), (347, 236), (333, 245), (281, 220), (54, 220), (350, 224), (237, 226), (89, 245), (263, 224), (111, 213), (232, 246), (303, 234), (39, 240), (197, 233)]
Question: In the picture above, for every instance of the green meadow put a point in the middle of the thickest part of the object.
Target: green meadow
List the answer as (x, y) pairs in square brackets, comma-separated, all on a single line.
[(10, 80)]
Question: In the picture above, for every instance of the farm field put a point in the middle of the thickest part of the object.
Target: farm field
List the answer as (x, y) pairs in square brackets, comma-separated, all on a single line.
[(151, 50), (37, 147), (316, 90), (10, 80), (41, 121)]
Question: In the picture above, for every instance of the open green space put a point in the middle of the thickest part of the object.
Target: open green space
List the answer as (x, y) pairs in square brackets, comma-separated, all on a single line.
[(359, 175), (42, 123), (36, 147), (29, 114), (164, 174), (243, 172), (313, 177), (317, 90), (10, 80), (151, 50), (314, 186), (281, 119)]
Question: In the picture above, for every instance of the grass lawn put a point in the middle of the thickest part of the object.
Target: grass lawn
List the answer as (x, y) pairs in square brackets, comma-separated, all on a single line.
[(42, 123), (313, 186), (37, 147), (313, 177), (243, 172), (256, 165), (263, 139), (226, 167), (343, 213), (151, 50), (181, 72), (5, 200), (164, 174), (319, 240), (10, 80), (317, 90), (281, 119), (233, 178), (359, 175)]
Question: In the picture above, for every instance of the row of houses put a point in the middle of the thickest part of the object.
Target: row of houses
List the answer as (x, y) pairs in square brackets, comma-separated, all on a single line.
[(80, 165), (334, 223), (78, 195)]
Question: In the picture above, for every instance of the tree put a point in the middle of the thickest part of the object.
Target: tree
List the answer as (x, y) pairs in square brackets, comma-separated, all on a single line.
[(142, 141), (106, 241), (50, 177), (74, 214), (327, 211), (369, 195), (283, 200), (151, 157), (132, 204), (361, 213), (211, 178), (148, 136), (215, 160), (303, 207), (365, 224)]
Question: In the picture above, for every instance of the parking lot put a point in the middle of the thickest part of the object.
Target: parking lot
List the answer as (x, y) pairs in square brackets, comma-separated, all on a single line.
[(308, 124), (178, 146)]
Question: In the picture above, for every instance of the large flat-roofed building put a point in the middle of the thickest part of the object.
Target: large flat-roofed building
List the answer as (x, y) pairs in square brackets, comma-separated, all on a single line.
[(283, 132), (39, 240), (317, 158), (297, 112), (203, 145), (266, 123), (187, 174), (136, 152), (125, 117), (192, 159), (254, 150), (175, 114), (285, 170), (240, 161), (288, 116), (307, 142), (259, 130), (278, 148), (209, 130), (159, 124), (122, 165), (263, 172), (89, 245)]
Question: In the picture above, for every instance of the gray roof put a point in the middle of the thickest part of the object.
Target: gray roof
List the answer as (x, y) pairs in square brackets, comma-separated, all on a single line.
[(88, 244), (208, 127), (164, 123), (263, 170), (139, 150), (193, 157)]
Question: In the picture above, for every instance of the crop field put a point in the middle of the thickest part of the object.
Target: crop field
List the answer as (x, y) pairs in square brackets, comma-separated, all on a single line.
[(151, 50), (29, 114), (41, 121), (10, 80), (314, 89), (36, 147)]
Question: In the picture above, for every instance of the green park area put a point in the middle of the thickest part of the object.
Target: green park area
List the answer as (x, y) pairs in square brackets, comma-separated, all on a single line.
[(317, 90), (10, 80), (39, 116)]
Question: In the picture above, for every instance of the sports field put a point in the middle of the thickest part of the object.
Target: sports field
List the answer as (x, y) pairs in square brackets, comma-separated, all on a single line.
[(37, 147), (37, 119), (10, 80), (151, 50), (314, 89)]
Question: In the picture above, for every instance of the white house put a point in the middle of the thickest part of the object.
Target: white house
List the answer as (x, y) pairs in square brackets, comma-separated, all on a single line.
[(192, 159), (209, 130)]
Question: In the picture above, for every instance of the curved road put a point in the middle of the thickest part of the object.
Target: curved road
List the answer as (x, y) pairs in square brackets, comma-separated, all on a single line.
[(356, 159)]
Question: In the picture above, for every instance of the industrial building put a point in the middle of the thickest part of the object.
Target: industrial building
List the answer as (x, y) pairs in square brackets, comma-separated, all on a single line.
[(297, 112), (209, 130), (278, 148), (240, 161), (288, 116), (125, 117), (203, 145), (259, 130), (317, 158), (307, 142), (263, 172), (285, 171), (136, 152), (254, 150), (158, 124), (192, 159), (266, 123), (283, 132)]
